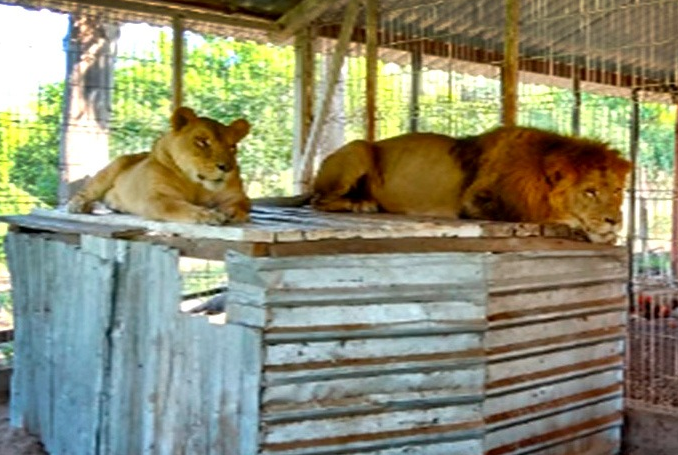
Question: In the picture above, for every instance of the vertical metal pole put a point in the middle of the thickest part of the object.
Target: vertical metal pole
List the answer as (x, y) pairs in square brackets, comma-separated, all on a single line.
[(509, 70), (177, 61), (674, 218), (634, 139), (576, 107), (416, 88), (371, 19)]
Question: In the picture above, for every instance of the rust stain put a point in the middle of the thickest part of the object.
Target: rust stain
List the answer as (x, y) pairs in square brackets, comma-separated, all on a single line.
[(365, 437), (582, 396), (468, 354), (552, 435), (556, 309), (605, 361), (469, 325), (579, 336)]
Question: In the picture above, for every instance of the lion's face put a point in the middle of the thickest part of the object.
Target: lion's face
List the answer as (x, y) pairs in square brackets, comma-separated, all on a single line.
[(204, 149), (591, 202)]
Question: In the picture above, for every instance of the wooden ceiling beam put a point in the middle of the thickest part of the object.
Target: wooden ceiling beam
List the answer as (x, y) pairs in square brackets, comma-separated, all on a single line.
[(301, 16)]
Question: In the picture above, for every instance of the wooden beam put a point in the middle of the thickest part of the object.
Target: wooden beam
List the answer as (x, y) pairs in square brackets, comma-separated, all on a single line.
[(350, 17), (304, 91), (509, 69), (300, 17), (177, 61), (371, 51), (576, 106)]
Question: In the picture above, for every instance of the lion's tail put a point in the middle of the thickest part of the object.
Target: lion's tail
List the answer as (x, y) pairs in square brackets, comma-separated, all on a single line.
[(298, 200)]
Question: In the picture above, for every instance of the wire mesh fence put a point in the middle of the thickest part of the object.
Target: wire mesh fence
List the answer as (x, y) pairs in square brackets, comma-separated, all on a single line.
[(439, 70)]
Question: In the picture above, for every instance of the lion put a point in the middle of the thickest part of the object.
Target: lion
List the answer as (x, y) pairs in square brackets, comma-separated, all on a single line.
[(191, 175), (514, 174)]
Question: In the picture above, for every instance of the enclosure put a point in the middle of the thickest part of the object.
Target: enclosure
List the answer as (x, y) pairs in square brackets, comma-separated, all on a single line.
[(341, 334), (103, 77)]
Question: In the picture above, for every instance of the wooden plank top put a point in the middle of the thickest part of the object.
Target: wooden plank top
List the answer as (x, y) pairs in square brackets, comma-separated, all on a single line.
[(284, 224), (284, 231)]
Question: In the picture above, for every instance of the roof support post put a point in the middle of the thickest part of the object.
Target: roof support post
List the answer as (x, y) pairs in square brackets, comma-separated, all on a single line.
[(631, 222), (674, 220), (417, 61), (509, 70), (304, 90), (371, 51), (177, 61), (576, 106)]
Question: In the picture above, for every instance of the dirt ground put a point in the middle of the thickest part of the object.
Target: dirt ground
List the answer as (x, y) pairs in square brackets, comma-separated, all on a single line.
[(13, 441)]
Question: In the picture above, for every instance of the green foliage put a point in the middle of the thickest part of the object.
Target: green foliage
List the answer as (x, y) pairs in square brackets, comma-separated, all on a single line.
[(35, 157)]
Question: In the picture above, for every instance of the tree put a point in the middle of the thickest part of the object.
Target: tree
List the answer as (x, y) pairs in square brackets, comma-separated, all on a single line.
[(90, 47)]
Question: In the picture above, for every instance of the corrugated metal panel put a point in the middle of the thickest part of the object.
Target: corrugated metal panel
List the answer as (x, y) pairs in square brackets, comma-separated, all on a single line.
[(369, 354), (555, 343), (57, 386)]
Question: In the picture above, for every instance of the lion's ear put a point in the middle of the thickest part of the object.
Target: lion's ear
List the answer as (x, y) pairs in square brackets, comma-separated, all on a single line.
[(181, 117), (556, 169), (239, 129)]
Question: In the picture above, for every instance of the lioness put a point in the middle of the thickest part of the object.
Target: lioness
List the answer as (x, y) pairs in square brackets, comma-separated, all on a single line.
[(191, 175), (507, 174)]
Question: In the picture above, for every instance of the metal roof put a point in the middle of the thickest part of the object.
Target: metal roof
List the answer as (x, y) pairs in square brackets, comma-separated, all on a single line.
[(622, 43)]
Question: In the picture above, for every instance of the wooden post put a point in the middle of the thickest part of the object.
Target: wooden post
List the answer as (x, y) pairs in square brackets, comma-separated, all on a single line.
[(416, 87), (371, 44), (350, 16), (509, 70), (177, 61), (631, 230), (576, 107), (304, 89)]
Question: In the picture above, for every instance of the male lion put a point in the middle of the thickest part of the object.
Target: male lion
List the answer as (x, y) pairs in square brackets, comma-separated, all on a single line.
[(191, 175), (507, 174)]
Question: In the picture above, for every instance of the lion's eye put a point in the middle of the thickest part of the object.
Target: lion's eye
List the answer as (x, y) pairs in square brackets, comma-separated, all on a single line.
[(591, 192), (202, 142)]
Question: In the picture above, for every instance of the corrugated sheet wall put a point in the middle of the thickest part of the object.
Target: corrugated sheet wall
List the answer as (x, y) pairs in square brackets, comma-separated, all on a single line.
[(444, 353)]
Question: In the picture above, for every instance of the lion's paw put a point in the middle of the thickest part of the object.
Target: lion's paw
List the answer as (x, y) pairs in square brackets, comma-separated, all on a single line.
[(366, 207), (237, 215)]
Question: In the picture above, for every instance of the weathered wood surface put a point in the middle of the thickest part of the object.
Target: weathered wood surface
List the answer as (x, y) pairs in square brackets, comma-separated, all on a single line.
[(281, 232), (429, 352), (555, 352)]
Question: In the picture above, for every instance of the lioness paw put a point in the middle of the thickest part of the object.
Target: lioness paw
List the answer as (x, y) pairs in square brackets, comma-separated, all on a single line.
[(211, 217), (79, 205)]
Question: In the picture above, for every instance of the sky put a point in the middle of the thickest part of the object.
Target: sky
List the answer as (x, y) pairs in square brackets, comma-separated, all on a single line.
[(31, 50), (29, 58)]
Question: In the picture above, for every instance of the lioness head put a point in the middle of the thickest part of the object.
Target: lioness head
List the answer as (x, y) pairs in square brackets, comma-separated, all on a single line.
[(588, 190), (204, 149)]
